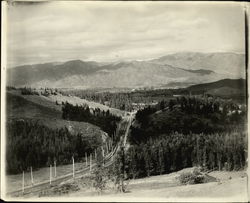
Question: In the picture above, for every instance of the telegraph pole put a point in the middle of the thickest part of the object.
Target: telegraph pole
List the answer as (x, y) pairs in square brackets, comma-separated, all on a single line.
[(90, 162), (31, 175), (86, 159), (23, 183), (55, 167), (50, 174), (73, 167)]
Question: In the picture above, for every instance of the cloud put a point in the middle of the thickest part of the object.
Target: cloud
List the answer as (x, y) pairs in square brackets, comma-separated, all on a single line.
[(59, 31)]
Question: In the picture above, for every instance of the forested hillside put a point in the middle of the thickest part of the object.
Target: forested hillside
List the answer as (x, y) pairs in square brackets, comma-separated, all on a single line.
[(37, 135), (174, 151), (32, 144), (185, 132), (104, 119)]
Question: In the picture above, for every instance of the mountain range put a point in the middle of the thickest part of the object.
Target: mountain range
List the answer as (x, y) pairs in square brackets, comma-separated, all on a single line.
[(180, 69)]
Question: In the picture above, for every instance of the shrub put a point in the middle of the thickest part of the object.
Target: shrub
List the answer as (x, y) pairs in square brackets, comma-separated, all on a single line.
[(100, 179), (194, 177)]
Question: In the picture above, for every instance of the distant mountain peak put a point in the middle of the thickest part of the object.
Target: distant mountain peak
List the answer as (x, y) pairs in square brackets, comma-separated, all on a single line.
[(74, 61), (183, 67)]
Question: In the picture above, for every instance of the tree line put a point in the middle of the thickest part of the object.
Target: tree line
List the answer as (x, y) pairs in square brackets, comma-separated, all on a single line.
[(175, 151), (103, 119), (42, 91), (121, 100)]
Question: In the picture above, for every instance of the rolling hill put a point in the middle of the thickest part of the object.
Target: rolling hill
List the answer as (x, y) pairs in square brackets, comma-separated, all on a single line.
[(38, 109), (181, 68), (227, 88), (239, 85)]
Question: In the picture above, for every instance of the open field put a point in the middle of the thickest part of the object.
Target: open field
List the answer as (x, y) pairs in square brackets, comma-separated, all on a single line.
[(30, 106), (14, 182), (168, 187), (228, 186), (50, 102), (44, 111), (35, 99), (78, 101)]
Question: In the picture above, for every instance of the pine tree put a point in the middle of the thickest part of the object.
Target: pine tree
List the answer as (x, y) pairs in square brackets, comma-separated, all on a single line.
[(119, 171)]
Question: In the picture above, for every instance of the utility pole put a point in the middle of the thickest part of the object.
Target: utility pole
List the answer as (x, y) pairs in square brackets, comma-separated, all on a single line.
[(103, 156), (31, 175), (23, 183), (55, 167), (90, 162), (73, 167), (86, 159), (50, 174), (107, 149)]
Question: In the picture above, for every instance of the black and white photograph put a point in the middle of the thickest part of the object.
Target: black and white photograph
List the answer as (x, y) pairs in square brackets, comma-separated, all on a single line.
[(124, 101)]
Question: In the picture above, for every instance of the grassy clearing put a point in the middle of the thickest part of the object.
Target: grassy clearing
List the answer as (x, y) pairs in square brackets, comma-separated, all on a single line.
[(14, 182), (19, 106), (168, 187), (40, 109), (229, 186), (35, 99), (78, 101)]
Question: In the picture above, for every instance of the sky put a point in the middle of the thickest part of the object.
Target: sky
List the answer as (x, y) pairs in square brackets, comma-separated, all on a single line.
[(117, 31)]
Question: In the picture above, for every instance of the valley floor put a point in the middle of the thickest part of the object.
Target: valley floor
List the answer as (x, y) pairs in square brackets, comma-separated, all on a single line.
[(230, 186)]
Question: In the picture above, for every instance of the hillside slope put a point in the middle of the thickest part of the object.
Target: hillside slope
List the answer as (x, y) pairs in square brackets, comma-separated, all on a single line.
[(38, 109), (51, 72), (230, 88), (231, 64)]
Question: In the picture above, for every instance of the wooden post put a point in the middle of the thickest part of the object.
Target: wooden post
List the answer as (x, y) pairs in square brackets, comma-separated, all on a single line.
[(23, 183), (55, 167), (86, 159), (103, 154), (107, 149), (31, 176), (73, 167), (50, 174), (90, 162), (95, 154)]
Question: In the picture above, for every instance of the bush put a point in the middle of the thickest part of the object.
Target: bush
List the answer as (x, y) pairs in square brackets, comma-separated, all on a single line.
[(56, 190), (194, 177), (100, 179)]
